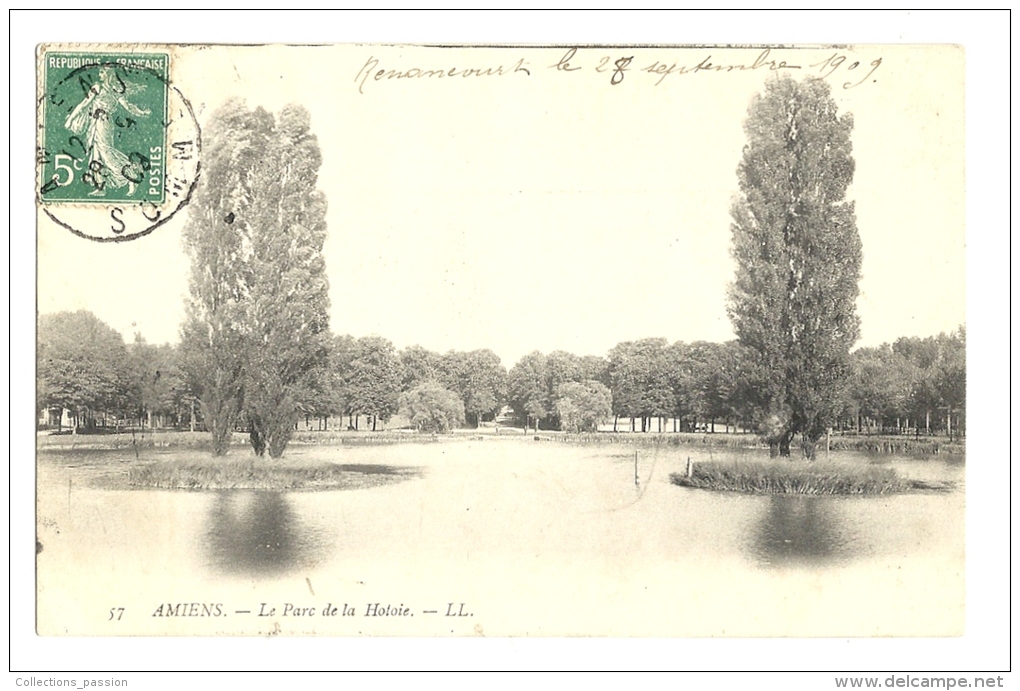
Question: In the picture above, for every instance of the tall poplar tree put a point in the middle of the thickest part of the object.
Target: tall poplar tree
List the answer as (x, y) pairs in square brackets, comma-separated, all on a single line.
[(258, 312), (798, 258)]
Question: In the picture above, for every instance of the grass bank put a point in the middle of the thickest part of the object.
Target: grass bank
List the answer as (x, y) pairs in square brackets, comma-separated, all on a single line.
[(200, 440), (170, 439), (875, 444), (801, 477), (127, 440), (263, 474)]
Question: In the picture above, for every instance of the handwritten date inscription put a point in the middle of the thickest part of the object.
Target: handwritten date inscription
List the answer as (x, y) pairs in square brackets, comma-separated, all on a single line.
[(618, 67), (614, 69)]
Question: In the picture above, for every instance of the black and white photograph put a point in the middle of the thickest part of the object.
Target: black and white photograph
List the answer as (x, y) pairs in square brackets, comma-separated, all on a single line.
[(517, 341)]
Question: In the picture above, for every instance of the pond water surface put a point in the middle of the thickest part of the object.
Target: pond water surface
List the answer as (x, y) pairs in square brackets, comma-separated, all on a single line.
[(534, 538)]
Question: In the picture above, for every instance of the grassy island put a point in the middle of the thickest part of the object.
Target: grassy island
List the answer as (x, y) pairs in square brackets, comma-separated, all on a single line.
[(775, 476), (259, 474)]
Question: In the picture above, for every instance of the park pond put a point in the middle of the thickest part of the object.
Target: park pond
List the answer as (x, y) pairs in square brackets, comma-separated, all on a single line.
[(516, 536)]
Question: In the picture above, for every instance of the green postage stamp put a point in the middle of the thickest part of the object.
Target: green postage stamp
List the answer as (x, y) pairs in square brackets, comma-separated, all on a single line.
[(104, 127), (117, 143)]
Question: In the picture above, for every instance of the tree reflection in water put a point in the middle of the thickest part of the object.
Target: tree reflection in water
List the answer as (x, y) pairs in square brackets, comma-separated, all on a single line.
[(257, 533), (799, 531)]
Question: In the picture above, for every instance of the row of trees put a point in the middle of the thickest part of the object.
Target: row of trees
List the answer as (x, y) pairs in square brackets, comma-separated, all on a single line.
[(85, 368), (369, 377), (916, 384)]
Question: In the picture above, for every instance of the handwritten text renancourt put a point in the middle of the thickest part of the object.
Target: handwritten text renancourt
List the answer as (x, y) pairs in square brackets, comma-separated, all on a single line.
[(612, 66), (372, 71)]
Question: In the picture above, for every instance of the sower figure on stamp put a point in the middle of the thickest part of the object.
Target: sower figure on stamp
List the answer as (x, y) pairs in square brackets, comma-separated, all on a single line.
[(96, 117)]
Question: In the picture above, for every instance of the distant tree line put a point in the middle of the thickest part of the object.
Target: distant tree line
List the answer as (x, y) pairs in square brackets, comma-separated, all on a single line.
[(914, 385)]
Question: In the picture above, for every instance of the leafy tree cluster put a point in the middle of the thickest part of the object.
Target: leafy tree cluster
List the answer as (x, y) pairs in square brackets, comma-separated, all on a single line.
[(82, 366), (534, 384), (367, 377), (647, 380), (85, 368), (431, 408), (581, 406), (691, 384), (158, 389), (914, 383)]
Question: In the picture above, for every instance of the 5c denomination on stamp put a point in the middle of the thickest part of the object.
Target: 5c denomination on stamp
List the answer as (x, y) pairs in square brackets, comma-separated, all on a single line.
[(118, 143)]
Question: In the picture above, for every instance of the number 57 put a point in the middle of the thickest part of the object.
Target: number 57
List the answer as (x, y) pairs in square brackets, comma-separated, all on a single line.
[(119, 613)]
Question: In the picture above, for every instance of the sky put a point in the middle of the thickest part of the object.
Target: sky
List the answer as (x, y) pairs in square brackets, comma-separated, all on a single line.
[(555, 210)]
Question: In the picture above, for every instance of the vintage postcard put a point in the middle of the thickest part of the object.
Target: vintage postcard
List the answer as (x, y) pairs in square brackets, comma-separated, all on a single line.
[(530, 341)]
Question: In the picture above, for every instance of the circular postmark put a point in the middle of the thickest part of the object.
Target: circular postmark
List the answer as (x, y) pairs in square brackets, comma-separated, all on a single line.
[(118, 144)]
